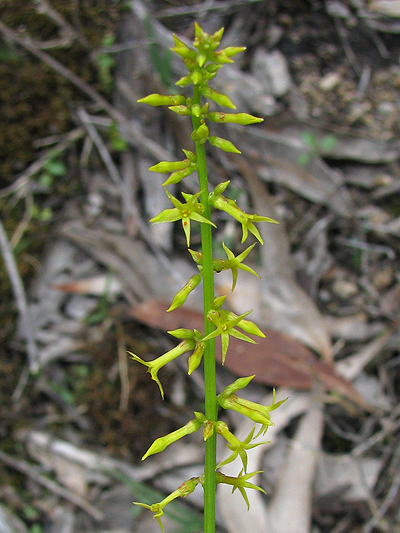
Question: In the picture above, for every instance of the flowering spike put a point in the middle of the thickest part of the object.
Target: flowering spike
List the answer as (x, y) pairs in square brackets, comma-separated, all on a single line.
[(203, 63)]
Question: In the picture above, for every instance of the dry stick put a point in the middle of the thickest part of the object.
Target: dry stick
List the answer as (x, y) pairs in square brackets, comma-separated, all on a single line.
[(20, 298), (37, 165), (137, 138), (44, 8), (52, 486), (389, 498), (203, 8), (343, 36), (123, 369), (101, 147)]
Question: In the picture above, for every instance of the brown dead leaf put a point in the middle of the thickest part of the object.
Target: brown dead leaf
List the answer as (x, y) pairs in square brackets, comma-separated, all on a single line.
[(277, 360)]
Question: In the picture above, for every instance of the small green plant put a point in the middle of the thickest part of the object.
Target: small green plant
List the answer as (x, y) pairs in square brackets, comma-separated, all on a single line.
[(316, 146), (105, 63), (203, 63)]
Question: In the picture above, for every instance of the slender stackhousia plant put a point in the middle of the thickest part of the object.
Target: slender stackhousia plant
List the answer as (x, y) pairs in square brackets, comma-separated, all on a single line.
[(202, 63)]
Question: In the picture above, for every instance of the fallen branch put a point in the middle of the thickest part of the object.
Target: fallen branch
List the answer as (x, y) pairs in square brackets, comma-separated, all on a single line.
[(20, 298)]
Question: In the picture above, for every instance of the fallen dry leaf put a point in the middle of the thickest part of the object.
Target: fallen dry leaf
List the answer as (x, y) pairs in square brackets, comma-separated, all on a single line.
[(277, 360)]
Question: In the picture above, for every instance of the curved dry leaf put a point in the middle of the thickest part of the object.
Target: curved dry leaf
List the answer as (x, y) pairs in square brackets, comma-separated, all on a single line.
[(94, 286), (277, 360), (390, 8)]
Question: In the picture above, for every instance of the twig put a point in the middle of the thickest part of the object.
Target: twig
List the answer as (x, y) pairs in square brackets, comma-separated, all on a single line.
[(23, 224), (37, 165), (203, 7), (123, 369), (388, 500), (44, 8), (135, 137), (52, 486), (343, 36), (20, 298), (101, 147)]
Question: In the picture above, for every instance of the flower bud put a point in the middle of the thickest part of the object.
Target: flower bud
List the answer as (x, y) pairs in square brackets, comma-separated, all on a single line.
[(182, 333), (196, 256), (163, 167), (190, 155), (217, 36), (231, 51), (230, 207), (223, 144), (212, 68), (196, 77), (196, 110), (182, 50), (224, 55), (218, 302), (181, 110), (201, 60), (184, 81), (218, 265), (161, 99), (251, 410), (200, 134), (239, 118), (200, 417), (178, 175), (180, 296), (161, 443), (208, 430), (221, 99), (239, 384), (196, 357), (220, 188)]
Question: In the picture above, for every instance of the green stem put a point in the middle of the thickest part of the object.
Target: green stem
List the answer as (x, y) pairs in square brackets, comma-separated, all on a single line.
[(209, 354)]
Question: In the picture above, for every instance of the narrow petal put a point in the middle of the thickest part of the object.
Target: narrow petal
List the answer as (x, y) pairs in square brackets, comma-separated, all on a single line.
[(168, 215)]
